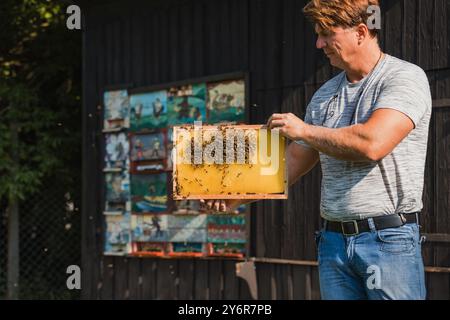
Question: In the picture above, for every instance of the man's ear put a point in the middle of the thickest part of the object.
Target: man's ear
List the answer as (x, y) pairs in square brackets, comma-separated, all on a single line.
[(362, 32)]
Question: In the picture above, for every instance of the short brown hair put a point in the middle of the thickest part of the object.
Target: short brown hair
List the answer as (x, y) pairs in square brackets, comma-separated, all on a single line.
[(339, 13)]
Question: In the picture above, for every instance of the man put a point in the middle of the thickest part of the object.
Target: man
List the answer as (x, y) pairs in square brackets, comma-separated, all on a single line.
[(369, 128)]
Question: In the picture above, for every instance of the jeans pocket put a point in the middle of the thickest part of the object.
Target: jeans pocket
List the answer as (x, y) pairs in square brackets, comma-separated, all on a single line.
[(399, 240)]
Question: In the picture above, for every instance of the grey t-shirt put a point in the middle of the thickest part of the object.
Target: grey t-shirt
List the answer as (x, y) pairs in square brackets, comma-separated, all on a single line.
[(358, 190)]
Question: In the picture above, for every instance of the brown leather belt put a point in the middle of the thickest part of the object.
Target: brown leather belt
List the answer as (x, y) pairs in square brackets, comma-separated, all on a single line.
[(354, 227)]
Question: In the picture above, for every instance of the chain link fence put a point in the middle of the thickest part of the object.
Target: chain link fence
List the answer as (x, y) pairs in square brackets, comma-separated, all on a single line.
[(3, 249), (50, 241)]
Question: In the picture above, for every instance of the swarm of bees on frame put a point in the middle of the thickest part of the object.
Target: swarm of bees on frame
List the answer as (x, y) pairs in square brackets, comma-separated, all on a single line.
[(224, 168)]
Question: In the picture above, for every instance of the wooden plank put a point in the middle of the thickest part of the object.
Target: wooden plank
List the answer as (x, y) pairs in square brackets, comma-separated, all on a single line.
[(213, 31), (166, 285), (310, 54), (409, 33), (441, 103), (225, 36), (184, 54), (299, 282), (438, 286), (137, 42), (427, 216), (199, 44), (186, 277), (134, 279), (308, 284), (121, 278), (215, 280), (244, 291), (437, 269), (393, 23), (315, 286), (272, 47), (442, 188), (201, 288), (441, 42), (126, 36), (243, 35), (117, 50), (287, 44), (106, 282), (149, 274), (256, 46), (154, 34), (231, 285), (437, 237), (281, 278), (299, 43), (174, 42), (91, 209), (264, 275), (425, 34), (165, 48)]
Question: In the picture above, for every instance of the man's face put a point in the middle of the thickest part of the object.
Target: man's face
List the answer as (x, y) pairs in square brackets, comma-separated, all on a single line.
[(338, 44)]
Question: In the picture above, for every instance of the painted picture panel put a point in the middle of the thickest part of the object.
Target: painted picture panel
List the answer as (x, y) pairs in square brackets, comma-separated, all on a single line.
[(190, 222), (226, 229), (187, 235), (117, 186), (149, 193), (187, 104), (118, 235), (226, 102), (116, 110), (148, 111), (148, 146), (117, 149), (149, 228)]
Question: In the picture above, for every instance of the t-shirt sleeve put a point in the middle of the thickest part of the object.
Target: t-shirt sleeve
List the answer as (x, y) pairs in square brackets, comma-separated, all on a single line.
[(407, 91), (308, 120)]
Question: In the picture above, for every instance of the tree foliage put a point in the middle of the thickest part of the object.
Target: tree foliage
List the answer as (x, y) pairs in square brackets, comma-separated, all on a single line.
[(39, 96)]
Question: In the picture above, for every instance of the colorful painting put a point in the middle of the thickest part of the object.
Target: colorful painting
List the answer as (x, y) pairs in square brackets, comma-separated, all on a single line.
[(150, 228), (117, 148), (116, 110), (117, 207), (226, 229), (117, 186), (149, 248), (118, 235), (148, 111), (148, 146), (187, 104), (149, 193), (190, 222), (226, 249), (226, 102), (187, 235), (187, 249)]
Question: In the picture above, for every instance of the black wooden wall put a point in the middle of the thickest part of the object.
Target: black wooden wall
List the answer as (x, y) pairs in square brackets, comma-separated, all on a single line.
[(151, 42)]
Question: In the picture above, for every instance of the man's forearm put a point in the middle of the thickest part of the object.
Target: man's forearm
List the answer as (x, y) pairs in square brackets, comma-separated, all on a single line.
[(348, 143)]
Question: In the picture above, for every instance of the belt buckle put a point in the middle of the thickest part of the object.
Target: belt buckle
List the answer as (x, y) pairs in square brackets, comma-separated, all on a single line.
[(355, 225)]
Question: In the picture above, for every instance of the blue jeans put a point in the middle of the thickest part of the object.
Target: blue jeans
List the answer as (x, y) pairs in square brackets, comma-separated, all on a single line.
[(376, 265)]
